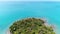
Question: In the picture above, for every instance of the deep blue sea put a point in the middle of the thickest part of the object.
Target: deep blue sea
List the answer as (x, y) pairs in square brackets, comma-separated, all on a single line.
[(12, 11)]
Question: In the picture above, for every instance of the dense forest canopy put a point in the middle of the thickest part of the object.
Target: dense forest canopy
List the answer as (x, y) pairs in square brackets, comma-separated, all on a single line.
[(31, 26)]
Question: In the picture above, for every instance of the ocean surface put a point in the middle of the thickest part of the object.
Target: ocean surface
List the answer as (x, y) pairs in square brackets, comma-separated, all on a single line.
[(15, 10)]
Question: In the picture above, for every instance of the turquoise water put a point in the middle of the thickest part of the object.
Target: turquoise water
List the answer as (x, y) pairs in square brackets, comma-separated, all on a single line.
[(12, 11)]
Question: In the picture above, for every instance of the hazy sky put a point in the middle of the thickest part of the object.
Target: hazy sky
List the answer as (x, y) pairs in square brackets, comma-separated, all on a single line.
[(29, 0)]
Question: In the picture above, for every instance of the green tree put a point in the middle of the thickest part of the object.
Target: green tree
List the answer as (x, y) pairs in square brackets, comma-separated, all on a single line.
[(31, 26)]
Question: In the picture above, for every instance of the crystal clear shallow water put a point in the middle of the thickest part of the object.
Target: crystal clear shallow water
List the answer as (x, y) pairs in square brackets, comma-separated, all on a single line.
[(11, 11)]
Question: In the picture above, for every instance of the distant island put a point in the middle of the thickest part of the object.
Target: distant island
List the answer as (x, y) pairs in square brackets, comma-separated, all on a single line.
[(31, 26)]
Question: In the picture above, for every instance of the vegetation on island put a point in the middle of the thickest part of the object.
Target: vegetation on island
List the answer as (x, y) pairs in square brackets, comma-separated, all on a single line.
[(31, 26)]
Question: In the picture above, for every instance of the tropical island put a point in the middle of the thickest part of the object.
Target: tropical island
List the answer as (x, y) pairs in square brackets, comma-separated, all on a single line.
[(31, 26)]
